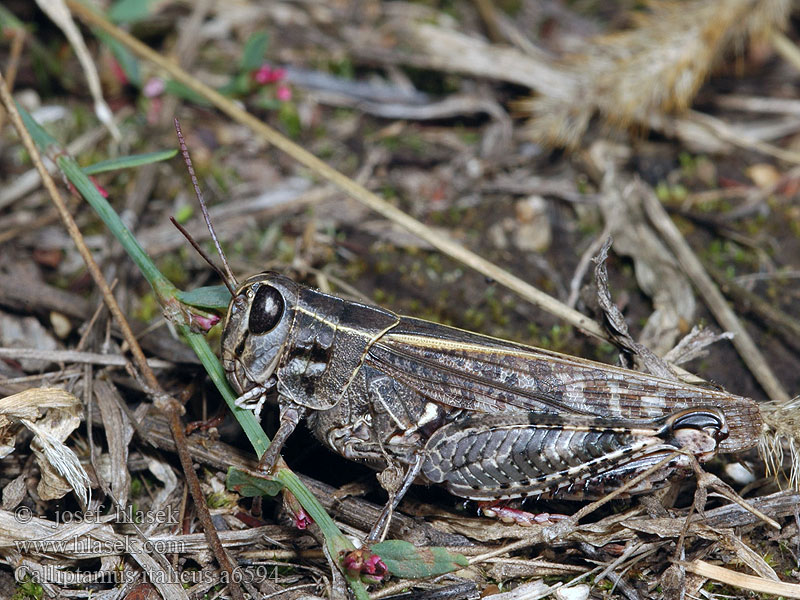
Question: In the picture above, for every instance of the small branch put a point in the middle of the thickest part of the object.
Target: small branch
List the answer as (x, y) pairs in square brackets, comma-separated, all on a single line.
[(76, 356), (744, 344), (740, 580), (731, 135)]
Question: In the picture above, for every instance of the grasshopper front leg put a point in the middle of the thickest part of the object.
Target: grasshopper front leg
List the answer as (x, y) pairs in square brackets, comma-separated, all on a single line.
[(290, 415), (254, 399)]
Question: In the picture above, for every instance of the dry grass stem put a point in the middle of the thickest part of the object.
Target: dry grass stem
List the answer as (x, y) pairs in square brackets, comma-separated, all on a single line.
[(748, 350), (740, 580)]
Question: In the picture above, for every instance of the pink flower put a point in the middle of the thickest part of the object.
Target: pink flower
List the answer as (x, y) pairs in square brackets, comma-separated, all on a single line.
[(266, 74), (302, 519), (283, 93), (204, 322), (262, 74), (365, 565), (155, 86), (100, 188), (374, 569)]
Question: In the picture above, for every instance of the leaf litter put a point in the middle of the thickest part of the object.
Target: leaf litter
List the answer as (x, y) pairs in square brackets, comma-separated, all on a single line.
[(430, 110)]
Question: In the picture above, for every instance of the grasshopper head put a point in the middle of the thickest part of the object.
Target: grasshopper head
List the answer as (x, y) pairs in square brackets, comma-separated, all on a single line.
[(256, 329)]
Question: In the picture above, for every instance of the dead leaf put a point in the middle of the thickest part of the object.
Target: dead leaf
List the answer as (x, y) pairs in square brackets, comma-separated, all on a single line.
[(60, 467), (14, 492), (764, 175), (26, 332)]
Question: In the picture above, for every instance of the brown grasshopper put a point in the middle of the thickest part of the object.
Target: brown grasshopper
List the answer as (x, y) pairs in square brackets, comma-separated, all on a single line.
[(488, 418)]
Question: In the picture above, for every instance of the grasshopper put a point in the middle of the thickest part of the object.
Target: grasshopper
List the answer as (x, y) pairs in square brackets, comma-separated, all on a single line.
[(488, 418), (492, 420)]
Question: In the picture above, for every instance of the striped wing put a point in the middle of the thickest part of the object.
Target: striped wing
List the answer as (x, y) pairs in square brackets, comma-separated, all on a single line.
[(465, 370)]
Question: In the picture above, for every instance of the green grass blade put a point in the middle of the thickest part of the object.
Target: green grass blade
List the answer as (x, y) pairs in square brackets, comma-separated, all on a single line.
[(336, 542), (161, 285), (174, 310), (211, 297), (49, 146), (250, 425), (248, 484), (127, 162), (46, 143), (127, 61)]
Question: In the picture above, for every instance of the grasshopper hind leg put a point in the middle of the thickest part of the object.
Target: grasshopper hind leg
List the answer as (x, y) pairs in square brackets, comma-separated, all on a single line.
[(505, 512), (583, 458)]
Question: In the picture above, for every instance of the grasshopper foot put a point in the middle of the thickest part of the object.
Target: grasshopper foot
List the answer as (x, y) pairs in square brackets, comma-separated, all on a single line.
[(499, 509)]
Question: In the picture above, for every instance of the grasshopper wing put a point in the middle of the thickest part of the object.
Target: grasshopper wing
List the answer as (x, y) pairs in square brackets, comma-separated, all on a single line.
[(478, 373)]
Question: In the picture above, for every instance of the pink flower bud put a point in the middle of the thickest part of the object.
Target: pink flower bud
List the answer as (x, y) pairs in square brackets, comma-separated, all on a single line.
[(283, 93), (204, 322), (365, 565), (155, 86), (263, 75), (302, 520)]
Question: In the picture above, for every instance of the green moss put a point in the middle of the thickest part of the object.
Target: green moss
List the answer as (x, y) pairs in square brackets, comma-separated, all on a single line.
[(434, 82), (795, 227), (557, 339), (290, 119), (324, 149), (136, 487), (409, 141), (342, 68), (688, 163), (388, 192), (474, 319), (468, 136), (662, 191), (679, 192), (28, 590), (148, 307), (173, 266), (604, 585), (215, 500), (498, 310)]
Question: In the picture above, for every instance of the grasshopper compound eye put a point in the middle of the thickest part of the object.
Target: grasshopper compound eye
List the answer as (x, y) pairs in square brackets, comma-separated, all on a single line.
[(257, 327), (266, 310)]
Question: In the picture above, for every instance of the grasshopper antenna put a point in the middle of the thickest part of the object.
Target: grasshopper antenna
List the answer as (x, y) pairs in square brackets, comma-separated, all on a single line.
[(204, 256), (227, 275)]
